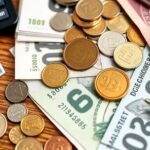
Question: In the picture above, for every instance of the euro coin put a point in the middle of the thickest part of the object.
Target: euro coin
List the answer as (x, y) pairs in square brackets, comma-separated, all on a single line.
[(89, 10), (111, 9), (81, 54), (58, 142), (97, 29), (3, 125), (16, 135), (135, 36), (128, 55), (112, 84), (32, 125), (55, 75), (109, 40), (119, 24), (73, 33), (29, 144)]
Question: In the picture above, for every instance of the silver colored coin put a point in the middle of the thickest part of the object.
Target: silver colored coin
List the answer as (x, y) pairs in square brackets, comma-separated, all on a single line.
[(148, 87), (61, 21), (108, 42), (16, 112), (3, 125), (16, 91), (67, 2)]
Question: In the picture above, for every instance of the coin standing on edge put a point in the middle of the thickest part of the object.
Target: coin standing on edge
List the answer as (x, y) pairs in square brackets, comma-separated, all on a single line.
[(118, 24), (57, 142), (29, 144), (111, 9), (16, 91), (80, 54), (55, 75), (108, 42), (3, 124), (15, 134), (16, 112), (73, 33), (32, 125), (61, 21), (128, 55), (112, 84), (89, 10), (135, 36)]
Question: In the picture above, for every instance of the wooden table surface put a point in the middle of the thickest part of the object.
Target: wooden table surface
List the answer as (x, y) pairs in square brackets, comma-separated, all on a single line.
[(7, 60)]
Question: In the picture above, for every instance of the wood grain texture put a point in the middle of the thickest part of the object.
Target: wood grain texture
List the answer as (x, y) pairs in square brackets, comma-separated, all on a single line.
[(7, 60)]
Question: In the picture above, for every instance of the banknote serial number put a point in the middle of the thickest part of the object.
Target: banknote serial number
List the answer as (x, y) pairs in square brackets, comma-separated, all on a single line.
[(36, 22), (72, 115)]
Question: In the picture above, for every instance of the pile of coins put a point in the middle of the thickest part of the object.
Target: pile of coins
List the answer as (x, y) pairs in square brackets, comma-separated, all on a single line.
[(99, 29), (29, 125)]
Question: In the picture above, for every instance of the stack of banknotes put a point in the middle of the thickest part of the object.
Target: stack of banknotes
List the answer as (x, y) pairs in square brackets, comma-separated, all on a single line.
[(107, 125)]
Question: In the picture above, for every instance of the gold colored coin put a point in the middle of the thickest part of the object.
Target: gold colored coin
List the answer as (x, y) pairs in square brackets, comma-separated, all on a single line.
[(32, 125), (84, 24), (112, 84), (89, 10), (128, 55), (111, 9), (119, 24), (134, 35), (55, 74), (96, 30), (15, 135), (73, 33), (29, 144), (81, 54)]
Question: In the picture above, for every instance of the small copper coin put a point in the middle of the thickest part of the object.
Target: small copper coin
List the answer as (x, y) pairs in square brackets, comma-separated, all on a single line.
[(16, 91), (58, 142), (134, 35), (55, 74), (3, 125), (89, 10), (32, 125), (111, 9), (29, 144), (112, 84), (81, 54), (96, 30), (73, 33), (84, 24), (15, 134)]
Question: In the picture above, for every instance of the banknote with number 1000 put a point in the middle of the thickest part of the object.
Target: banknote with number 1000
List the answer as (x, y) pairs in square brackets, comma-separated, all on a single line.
[(130, 126)]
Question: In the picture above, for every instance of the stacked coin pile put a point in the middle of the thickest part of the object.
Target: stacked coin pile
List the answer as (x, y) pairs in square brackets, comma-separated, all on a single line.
[(99, 29), (30, 126)]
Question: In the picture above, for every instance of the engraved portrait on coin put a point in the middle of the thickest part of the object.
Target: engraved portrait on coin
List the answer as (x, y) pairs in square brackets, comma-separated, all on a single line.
[(147, 87), (140, 108)]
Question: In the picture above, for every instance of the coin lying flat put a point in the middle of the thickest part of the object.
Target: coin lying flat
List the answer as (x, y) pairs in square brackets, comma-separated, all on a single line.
[(96, 30), (55, 74), (89, 10), (81, 54), (112, 84), (57, 142), (61, 21), (135, 36), (119, 24), (29, 144), (128, 55), (108, 42), (84, 24), (73, 33), (67, 2), (16, 91), (16, 112), (32, 125), (3, 125), (15, 135), (111, 9)]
